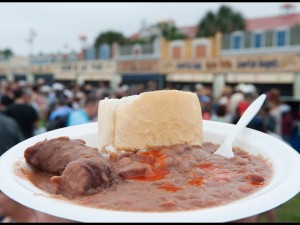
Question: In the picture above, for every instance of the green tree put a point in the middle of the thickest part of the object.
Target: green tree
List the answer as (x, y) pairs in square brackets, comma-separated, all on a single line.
[(137, 41), (7, 53), (110, 37), (208, 25), (225, 20), (170, 31)]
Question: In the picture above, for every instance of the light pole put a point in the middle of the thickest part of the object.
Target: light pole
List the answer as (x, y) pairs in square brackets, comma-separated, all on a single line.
[(288, 8), (82, 39), (66, 53), (79, 73), (30, 40)]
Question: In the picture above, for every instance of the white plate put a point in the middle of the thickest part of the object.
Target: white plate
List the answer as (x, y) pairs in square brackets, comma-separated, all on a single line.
[(284, 185)]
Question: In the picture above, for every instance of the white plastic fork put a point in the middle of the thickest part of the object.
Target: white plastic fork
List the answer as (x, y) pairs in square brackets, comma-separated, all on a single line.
[(226, 148)]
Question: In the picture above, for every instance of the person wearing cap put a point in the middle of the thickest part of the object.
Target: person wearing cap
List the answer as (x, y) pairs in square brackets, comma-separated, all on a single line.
[(234, 100), (85, 114), (57, 90), (62, 109)]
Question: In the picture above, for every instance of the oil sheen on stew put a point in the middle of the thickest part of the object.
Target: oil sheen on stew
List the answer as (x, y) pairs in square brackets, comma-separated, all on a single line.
[(171, 179)]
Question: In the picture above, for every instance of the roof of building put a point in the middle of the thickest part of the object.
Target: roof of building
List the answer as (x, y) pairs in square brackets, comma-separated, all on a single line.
[(190, 31), (264, 23), (134, 36), (272, 22)]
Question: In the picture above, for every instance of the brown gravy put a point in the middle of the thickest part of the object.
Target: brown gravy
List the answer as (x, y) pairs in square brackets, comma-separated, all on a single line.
[(183, 178)]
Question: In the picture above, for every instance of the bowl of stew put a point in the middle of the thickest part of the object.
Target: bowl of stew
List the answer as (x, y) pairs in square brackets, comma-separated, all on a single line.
[(167, 184)]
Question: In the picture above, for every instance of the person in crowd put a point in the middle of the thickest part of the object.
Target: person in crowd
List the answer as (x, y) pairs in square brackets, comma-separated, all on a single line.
[(55, 93), (264, 122), (169, 86), (234, 100), (122, 91), (10, 133), (205, 103), (152, 86), (225, 96), (282, 115), (88, 90), (274, 102), (23, 112), (14, 212), (244, 104), (6, 96), (287, 123), (58, 117), (78, 100), (221, 114), (61, 109), (198, 87), (85, 114), (39, 102), (102, 88), (46, 218)]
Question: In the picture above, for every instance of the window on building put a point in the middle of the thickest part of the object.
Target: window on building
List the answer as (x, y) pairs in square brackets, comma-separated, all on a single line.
[(200, 51), (73, 56), (137, 50), (90, 53), (257, 40), (237, 41), (281, 37), (104, 51), (176, 52), (59, 57)]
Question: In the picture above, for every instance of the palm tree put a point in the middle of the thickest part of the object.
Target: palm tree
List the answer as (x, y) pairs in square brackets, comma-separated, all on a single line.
[(109, 38), (169, 31), (225, 20), (228, 20), (208, 25), (7, 53)]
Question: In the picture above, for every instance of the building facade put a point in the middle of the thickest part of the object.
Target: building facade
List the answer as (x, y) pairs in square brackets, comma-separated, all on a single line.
[(267, 53), (89, 66), (14, 68), (185, 62), (140, 63)]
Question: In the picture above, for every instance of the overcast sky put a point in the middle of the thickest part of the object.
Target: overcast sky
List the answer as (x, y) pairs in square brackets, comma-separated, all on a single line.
[(58, 25)]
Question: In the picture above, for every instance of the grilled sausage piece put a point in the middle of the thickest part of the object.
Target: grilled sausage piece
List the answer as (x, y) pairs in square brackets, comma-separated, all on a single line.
[(85, 177), (52, 156), (78, 169)]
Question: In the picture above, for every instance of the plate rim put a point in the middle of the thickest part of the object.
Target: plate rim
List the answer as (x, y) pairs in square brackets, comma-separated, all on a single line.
[(14, 189)]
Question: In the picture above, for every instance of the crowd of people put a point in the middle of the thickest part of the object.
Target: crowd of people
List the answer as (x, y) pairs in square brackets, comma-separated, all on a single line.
[(30, 109)]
